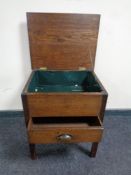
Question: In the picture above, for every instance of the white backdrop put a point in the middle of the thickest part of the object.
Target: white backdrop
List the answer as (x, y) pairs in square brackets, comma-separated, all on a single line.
[(113, 58)]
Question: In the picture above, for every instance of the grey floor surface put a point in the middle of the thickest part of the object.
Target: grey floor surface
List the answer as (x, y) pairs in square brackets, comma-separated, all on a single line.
[(113, 157)]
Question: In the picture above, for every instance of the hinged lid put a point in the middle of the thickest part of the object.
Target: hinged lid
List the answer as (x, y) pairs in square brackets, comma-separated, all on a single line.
[(62, 41)]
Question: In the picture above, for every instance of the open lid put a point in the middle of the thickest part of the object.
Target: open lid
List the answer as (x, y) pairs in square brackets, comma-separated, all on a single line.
[(62, 41)]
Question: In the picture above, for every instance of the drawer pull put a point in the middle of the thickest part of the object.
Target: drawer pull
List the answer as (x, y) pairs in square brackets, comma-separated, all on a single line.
[(64, 137)]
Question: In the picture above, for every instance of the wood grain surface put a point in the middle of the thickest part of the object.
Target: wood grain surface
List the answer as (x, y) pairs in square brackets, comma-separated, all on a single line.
[(64, 104), (62, 41)]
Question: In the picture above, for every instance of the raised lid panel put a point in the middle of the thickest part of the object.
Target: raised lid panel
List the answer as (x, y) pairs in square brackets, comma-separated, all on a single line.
[(62, 41)]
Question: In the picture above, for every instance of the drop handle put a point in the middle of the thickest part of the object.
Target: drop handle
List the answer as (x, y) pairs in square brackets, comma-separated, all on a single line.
[(64, 137)]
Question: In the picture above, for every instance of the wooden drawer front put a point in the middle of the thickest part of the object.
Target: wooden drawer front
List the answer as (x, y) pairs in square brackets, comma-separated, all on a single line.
[(64, 105), (64, 133)]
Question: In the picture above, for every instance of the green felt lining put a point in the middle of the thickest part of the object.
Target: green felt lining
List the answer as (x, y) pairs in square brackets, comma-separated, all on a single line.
[(63, 81)]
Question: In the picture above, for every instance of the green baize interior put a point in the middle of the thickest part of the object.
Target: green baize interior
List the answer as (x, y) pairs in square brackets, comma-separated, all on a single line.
[(63, 81)]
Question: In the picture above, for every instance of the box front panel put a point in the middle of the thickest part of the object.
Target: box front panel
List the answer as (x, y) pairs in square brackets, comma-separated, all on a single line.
[(64, 104)]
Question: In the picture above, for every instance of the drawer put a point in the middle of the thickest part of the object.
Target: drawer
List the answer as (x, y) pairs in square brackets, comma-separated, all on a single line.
[(64, 129)]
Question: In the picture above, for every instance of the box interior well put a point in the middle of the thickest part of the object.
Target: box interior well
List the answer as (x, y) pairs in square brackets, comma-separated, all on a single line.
[(63, 81)]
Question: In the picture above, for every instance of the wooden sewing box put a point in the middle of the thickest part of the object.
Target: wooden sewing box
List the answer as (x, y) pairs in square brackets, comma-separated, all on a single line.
[(63, 100)]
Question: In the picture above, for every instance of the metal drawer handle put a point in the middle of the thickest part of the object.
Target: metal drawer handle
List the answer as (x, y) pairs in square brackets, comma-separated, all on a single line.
[(64, 137)]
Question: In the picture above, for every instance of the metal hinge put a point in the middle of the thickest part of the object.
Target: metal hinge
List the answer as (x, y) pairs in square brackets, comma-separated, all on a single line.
[(43, 68), (82, 68)]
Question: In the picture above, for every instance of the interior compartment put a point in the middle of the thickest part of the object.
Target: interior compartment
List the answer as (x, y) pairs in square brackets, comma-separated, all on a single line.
[(63, 81), (59, 121)]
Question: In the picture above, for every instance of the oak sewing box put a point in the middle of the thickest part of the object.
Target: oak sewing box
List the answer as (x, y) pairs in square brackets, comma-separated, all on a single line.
[(63, 100)]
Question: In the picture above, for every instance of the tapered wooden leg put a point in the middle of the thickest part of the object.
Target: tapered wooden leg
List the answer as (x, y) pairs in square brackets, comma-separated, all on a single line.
[(32, 151), (94, 149)]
